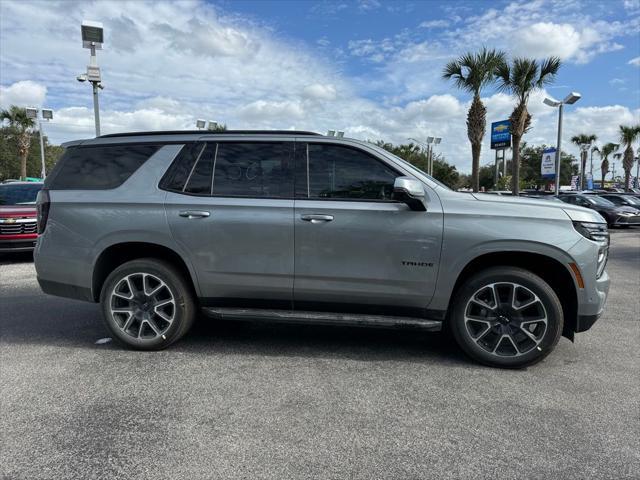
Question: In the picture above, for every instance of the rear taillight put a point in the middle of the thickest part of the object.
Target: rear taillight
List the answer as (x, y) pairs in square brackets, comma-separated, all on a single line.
[(43, 204)]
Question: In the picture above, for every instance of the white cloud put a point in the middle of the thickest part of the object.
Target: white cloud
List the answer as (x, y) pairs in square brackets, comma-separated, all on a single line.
[(434, 24), (544, 39), (24, 93), (634, 61), (261, 110), (320, 92)]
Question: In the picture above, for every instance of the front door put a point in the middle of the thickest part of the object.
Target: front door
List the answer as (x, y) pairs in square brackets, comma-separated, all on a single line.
[(230, 207), (356, 249)]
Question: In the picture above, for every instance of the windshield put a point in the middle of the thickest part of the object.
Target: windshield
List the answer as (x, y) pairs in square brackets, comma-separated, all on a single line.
[(19, 194), (631, 200), (408, 165), (603, 202)]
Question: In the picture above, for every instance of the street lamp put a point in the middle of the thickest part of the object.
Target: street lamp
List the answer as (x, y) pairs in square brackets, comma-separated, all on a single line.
[(200, 124), (93, 38), (431, 141), (212, 126), (47, 114), (570, 99)]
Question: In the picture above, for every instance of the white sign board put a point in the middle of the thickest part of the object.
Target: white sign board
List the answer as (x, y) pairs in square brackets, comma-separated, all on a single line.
[(548, 164)]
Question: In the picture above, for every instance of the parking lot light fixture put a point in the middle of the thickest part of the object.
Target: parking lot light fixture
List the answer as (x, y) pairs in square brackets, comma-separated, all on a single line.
[(331, 133), (200, 124), (212, 126), (93, 38), (570, 99)]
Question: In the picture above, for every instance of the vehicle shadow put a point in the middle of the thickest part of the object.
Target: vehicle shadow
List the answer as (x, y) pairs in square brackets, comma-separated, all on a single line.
[(8, 258), (290, 339), (51, 321)]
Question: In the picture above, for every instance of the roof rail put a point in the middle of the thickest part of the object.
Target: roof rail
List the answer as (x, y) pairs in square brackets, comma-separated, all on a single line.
[(207, 132)]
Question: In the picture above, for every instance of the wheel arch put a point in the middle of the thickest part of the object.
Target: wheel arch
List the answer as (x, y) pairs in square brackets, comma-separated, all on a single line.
[(548, 268), (117, 254)]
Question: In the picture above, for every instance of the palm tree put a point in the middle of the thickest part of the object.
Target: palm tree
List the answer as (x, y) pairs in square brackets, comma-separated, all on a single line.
[(472, 72), (628, 135), (520, 79), (580, 141), (20, 125), (606, 150)]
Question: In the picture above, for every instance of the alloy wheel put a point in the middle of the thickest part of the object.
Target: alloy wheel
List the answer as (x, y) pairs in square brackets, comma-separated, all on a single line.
[(506, 319), (142, 306)]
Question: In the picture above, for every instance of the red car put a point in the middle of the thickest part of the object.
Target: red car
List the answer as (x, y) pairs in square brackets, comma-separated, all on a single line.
[(18, 216)]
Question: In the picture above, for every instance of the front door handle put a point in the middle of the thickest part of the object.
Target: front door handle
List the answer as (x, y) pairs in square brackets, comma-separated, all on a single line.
[(316, 218), (194, 213)]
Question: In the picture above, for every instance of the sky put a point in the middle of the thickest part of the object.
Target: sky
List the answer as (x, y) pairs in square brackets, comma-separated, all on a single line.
[(372, 68)]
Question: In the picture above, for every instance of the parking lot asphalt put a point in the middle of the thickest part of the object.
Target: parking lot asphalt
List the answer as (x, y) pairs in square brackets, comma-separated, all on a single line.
[(253, 400)]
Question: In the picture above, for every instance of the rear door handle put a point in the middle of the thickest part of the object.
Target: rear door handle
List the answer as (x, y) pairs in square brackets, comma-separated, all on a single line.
[(194, 213), (316, 218)]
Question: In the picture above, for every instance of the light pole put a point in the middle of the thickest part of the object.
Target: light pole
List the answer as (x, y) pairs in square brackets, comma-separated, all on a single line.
[(570, 99), (638, 171), (47, 115), (93, 38)]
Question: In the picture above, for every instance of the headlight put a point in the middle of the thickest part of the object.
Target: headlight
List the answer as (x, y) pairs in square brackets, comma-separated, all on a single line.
[(598, 233), (593, 231)]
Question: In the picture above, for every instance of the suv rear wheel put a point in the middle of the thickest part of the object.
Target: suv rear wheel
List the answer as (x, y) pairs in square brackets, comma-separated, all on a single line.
[(506, 317), (147, 304)]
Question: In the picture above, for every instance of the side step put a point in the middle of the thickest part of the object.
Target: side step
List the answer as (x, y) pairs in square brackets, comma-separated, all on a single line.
[(323, 318)]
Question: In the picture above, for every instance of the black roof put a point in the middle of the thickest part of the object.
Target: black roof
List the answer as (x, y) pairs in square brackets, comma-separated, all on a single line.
[(207, 132)]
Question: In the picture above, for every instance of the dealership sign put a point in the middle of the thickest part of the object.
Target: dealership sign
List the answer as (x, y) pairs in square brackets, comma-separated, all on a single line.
[(548, 164), (500, 135)]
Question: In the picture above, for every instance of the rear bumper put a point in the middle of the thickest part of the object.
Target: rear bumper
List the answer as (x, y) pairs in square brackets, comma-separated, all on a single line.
[(17, 243), (65, 290)]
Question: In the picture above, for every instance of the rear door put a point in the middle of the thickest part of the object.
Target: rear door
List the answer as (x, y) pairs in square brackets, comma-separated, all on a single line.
[(230, 206), (356, 249)]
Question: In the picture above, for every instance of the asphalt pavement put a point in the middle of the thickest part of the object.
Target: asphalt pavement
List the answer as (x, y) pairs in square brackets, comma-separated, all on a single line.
[(253, 400)]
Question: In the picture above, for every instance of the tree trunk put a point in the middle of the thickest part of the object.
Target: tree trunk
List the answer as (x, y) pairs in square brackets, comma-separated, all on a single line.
[(583, 158), (627, 164), (475, 166), (476, 123), (604, 169), (23, 166), (24, 142), (515, 165)]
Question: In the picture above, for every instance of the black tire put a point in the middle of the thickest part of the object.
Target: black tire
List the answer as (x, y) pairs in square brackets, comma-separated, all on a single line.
[(183, 307), (506, 320)]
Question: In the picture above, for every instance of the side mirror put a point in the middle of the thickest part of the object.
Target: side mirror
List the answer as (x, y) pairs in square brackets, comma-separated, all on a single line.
[(410, 191)]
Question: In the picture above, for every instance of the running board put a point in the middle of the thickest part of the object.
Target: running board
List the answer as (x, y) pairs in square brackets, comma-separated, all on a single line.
[(323, 318)]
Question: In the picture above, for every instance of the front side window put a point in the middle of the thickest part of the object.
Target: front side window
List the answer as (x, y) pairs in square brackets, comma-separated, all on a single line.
[(337, 172), (254, 170)]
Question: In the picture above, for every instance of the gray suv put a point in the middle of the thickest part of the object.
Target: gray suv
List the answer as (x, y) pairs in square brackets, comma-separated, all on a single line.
[(299, 227)]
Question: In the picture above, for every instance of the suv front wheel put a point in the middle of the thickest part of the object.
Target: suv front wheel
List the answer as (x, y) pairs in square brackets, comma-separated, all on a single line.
[(147, 304), (506, 317)]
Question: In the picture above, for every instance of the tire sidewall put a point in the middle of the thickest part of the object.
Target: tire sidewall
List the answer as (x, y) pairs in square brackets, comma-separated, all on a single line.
[(527, 279), (175, 283)]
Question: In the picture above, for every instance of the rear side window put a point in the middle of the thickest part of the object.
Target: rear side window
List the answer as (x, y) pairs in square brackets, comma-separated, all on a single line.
[(254, 170), (178, 174), (99, 167), (199, 180), (346, 173)]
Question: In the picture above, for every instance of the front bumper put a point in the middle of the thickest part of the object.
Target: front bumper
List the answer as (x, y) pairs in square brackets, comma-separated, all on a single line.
[(627, 220), (17, 243), (593, 297)]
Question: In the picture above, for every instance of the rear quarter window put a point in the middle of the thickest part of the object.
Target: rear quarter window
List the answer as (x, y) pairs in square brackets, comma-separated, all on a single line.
[(98, 167)]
